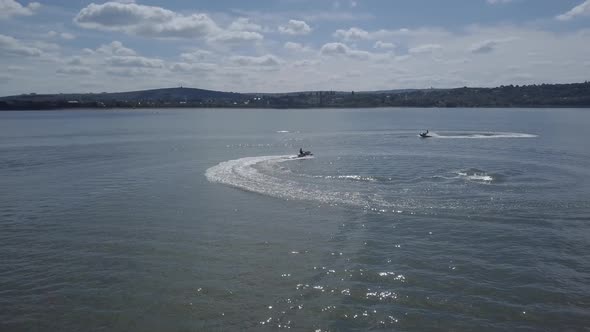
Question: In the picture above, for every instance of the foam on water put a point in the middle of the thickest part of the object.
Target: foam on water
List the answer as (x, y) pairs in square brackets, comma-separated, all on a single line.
[(477, 177), (244, 174), (349, 177), (265, 175), (481, 135)]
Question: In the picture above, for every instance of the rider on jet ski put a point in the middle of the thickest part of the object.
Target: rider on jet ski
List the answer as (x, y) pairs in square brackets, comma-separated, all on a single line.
[(304, 153)]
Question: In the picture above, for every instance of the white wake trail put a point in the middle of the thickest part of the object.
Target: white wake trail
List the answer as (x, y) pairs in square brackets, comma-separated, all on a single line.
[(481, 135), (243, 174)]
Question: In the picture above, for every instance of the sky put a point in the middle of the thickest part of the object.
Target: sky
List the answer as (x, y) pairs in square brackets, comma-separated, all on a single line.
[(63, 46)]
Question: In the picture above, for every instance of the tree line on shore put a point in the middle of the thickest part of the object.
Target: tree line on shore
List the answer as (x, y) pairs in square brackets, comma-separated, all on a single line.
[(541, 95)]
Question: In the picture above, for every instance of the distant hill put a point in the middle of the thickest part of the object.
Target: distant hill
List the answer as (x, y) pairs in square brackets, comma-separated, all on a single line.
[(391, 91), (536, 95), (296, 93), (166, 94), (166, 97)]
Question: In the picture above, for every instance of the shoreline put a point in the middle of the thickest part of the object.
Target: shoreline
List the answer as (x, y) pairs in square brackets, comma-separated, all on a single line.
[(241, 107)]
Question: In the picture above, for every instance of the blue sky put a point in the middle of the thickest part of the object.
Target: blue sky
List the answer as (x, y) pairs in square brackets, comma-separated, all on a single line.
[(290, 45)]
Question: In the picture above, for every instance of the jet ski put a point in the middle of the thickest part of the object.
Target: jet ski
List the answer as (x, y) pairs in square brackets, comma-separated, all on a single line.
[(304, 154), (424, 135)]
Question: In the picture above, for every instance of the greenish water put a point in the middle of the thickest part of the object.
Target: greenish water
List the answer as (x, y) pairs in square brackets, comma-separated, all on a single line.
[(200, 220)]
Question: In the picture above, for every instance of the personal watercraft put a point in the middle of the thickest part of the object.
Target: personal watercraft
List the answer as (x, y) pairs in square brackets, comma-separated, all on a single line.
[(304, 154)]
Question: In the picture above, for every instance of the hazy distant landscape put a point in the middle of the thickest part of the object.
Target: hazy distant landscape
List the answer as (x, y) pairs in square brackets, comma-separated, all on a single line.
[(543, 95)]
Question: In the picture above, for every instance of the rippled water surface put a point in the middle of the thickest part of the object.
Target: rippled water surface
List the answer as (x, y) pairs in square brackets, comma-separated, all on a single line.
[(203, 220)]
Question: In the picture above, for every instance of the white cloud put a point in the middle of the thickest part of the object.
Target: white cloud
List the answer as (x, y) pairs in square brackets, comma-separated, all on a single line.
[(195, 56), (193, 26), (304, 63), (316, 16), (293, 46), (67, 36), (45, 47), (339, 49), (88, 52), (546, 54), (119, 61), (295, 27), (63, 35), (426, 48), (9, 8), (334, 49), (74, 70), (355, 33), (383, 45), (12, 47), (244, 24), (129, 72), (75, 61), (115, 15), (158, 22), (182, 67), (147, 21), (352, 34), (359, 55), (134, 61), (582, 9), (265, 60), (232, 37), (487, 46), (115, 48)]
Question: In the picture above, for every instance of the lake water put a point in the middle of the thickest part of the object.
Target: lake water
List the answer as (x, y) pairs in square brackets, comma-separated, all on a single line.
[(201, 220)]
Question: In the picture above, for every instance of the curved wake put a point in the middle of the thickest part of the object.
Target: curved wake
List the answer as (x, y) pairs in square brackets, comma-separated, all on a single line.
[(245, 174)]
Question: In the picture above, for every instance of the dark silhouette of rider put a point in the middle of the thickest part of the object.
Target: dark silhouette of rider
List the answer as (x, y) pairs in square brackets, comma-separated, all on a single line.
[(300, 150)]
